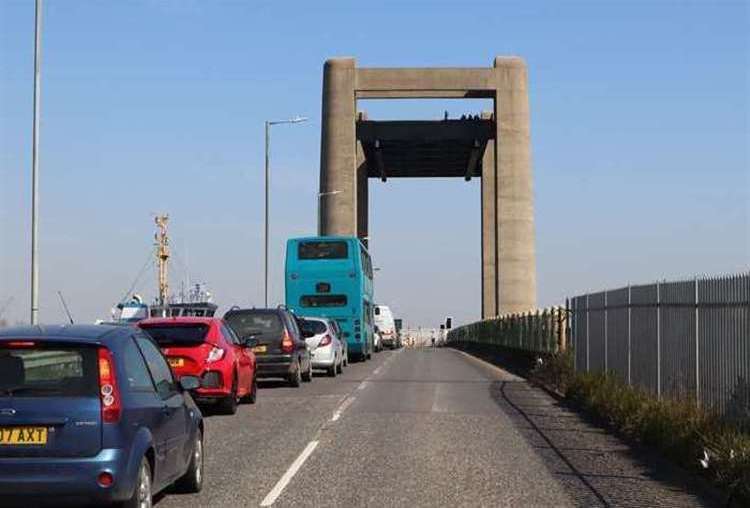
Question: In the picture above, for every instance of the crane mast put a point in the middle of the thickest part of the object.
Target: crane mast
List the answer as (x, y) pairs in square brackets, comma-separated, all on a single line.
[(162, 257)]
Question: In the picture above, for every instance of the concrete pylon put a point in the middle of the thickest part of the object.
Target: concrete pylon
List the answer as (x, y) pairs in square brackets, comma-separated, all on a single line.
[(508, 250), (516, 255), (338, 193), (489, 228)]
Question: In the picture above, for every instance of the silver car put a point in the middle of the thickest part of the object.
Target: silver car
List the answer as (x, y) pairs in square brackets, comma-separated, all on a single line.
[(325, 347)]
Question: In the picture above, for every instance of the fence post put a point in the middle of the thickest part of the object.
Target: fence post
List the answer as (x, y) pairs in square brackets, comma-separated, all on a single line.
[(658, 340), (697, 347), (605, 333), (537, 330), (588, 333), (630, 382), (560, 346)]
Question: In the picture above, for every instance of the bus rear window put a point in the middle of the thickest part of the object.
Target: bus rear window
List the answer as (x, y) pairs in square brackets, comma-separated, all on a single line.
[(323, 301), (323, 250)]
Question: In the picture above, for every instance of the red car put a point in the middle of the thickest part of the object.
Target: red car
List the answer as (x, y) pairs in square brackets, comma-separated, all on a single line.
[(207, 348)]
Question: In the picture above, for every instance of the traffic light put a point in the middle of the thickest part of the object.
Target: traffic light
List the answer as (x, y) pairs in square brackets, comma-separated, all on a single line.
[(448, 323)]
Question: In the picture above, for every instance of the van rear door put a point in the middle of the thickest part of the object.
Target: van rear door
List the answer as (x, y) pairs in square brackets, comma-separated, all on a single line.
[(49, 399)]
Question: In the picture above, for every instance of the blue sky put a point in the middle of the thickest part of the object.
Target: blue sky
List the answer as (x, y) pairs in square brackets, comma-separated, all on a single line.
[(640, 143)]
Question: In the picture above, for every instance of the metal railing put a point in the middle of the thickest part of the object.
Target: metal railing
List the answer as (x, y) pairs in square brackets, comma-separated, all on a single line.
[(542, 330), (682, 340)]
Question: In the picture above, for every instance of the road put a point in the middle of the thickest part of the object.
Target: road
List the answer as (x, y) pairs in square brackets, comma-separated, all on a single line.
[(423, 428)]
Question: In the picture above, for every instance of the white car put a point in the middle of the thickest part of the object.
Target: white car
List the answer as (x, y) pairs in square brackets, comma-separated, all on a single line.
[(325, 347), (386, 326)]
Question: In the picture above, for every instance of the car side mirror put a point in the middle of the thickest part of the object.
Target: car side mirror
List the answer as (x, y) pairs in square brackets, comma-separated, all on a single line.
[(190, 383), (250, 342)]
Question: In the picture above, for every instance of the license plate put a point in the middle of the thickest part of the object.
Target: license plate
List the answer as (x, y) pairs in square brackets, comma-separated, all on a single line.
[(23, 436), (260, 349), (176, 362)]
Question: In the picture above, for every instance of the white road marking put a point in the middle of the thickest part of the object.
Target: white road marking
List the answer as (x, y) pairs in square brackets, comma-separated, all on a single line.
[(438, 398), (284, 480), (377, 371), (337, 414), (272, 496)]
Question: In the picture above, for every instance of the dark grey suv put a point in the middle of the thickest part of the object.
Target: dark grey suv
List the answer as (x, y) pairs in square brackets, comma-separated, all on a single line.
[(281, 350)]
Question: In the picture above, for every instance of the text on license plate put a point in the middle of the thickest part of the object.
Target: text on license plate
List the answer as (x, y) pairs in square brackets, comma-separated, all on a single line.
[(176, 362), (260, 349), (23, 436)]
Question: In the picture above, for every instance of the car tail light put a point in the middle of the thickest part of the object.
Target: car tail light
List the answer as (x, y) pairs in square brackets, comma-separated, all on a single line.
[(325, 340), (287, 344), (109, 394), (105, 479), (215, 355)]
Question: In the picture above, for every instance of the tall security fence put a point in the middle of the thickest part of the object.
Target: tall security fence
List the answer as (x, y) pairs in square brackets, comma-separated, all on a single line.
[(540, 331), (683, 340)]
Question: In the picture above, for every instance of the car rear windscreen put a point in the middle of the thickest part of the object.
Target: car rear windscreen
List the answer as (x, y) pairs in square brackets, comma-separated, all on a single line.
[(255, 323), (314, 326), (31, 369), (323, 301), (323, 250), (183, 335)]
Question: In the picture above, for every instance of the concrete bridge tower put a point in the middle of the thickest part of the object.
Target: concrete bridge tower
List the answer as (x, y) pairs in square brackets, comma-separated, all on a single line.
[(495, 148)]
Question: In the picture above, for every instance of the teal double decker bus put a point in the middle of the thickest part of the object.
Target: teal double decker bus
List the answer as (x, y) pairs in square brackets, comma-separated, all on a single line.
[(331, 276)]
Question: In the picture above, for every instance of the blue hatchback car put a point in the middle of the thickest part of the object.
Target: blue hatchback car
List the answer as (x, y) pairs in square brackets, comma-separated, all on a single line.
[(92, 414)]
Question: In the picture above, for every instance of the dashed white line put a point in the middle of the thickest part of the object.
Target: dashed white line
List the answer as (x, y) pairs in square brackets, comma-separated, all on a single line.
[(284, 480), (337, 414), (276, 491)]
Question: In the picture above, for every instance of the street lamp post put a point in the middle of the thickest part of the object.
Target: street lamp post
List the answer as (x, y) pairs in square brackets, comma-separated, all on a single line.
[(296, 119), (35, 166)]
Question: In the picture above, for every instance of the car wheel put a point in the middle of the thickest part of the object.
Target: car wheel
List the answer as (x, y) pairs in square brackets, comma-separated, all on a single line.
[(253, 395), (340, 366), (141, 497), (295, 378), (333, 369), (228, 405), (307, 376), (346, 359), (192, 480)]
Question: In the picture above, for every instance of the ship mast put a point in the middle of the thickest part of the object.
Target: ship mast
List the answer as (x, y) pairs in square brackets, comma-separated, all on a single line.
[(162, 257)]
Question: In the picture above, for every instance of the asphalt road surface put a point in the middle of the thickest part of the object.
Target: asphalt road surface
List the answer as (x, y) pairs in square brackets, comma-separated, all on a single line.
[(423, 428)]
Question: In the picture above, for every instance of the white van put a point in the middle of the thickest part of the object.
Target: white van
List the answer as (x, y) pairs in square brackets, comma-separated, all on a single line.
[(386, 325)]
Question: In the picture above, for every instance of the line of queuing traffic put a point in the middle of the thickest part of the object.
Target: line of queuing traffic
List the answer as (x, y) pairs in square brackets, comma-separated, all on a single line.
[(113, 413)]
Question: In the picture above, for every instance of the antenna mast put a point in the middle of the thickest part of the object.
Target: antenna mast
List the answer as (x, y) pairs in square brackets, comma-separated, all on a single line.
[(162, 256)]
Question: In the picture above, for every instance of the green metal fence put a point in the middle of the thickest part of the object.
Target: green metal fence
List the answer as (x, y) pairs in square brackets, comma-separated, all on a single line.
[(543, 330)]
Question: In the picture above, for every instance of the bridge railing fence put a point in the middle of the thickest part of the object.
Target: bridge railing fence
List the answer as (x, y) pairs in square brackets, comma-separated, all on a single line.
[(687, 340), (543, 330)]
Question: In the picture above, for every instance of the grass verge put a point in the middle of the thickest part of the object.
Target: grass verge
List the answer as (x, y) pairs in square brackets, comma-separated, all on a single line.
[(693, 438)]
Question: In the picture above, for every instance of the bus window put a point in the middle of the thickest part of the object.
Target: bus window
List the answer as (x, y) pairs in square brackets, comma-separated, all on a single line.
[(323, 301), (323, 250)]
